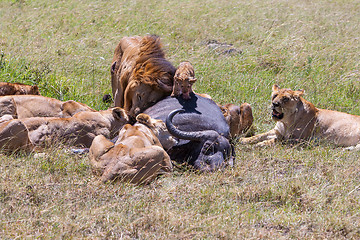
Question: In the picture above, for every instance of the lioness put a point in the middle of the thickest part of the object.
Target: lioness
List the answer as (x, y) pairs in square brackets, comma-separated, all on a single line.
[(25, 106), (137, 156), (183, 80), (240, 119), (159, 129), (78, 130), (297, 119), (18, 89)]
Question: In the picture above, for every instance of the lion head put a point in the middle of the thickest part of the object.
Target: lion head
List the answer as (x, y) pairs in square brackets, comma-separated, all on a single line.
[(159, 129), (183, 80), (239, 119), (284, 102)]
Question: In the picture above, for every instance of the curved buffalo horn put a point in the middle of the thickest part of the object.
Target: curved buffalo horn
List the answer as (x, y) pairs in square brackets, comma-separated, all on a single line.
[(194, 136)]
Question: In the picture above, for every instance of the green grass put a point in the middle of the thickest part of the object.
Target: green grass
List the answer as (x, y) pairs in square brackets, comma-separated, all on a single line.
[(285, 192)]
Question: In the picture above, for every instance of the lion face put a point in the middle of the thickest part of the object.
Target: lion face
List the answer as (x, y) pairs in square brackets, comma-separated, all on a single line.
[(159, 129), (284, 102), (184, 86), (140, 96), (183, 80)]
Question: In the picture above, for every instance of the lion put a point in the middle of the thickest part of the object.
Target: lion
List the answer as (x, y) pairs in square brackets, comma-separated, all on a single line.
[(159, 129), (240, 119), (18, 89), (183, 80), (124, 60), (26, 106), (35, 133), (140, 74), (136, 157), (298, 120)]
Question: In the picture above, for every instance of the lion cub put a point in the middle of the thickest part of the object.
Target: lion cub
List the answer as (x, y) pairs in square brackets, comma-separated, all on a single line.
[(297, 119), (183, 80)]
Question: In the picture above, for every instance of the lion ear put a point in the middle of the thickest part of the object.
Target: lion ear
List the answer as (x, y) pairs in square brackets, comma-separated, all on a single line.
[(275, 88), (299, 93), (144, 119), (35, 90), (113, 67), (192, 80)]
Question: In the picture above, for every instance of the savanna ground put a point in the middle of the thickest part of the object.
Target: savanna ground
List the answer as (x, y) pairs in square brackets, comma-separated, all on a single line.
[(309, 191)]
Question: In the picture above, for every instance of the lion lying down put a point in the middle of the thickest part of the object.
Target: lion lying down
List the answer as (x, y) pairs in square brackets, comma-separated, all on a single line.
[(18, 89), (239, 118), (26, 106), (137, 156), (79, 130), (297, 119)]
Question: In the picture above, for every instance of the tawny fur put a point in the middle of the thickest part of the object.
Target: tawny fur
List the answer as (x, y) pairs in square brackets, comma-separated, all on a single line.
[(183, 80), (18, 89), (25, 106), (78, 130), (298, 120), (240, 119), (140, 74), (159, 129), (136, 157)]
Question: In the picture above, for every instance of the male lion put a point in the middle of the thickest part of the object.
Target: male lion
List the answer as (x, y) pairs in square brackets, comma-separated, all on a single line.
[(140, 74), (18, 89), (297, 120), (137, 156)]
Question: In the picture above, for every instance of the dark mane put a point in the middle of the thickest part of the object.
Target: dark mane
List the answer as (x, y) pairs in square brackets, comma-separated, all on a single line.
[(150, 47), (151, 66)]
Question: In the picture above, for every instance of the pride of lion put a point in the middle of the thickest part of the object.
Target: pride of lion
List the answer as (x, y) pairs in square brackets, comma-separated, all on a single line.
[(128, 145)]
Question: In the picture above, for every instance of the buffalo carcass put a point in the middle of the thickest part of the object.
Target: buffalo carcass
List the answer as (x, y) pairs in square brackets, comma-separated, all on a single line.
[(201, 129)]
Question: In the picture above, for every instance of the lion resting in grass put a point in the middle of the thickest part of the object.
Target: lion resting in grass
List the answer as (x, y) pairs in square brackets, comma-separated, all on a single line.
[(137, 156), (25, 106), (159, 129), (297, 120), (140, 74), (79, 130), (18, 89)]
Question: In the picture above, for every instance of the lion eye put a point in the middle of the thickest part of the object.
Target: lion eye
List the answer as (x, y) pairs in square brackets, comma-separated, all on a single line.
[(139, 97)]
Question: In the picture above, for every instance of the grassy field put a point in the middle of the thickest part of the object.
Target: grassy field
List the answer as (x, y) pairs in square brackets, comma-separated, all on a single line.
[(284, 192)]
